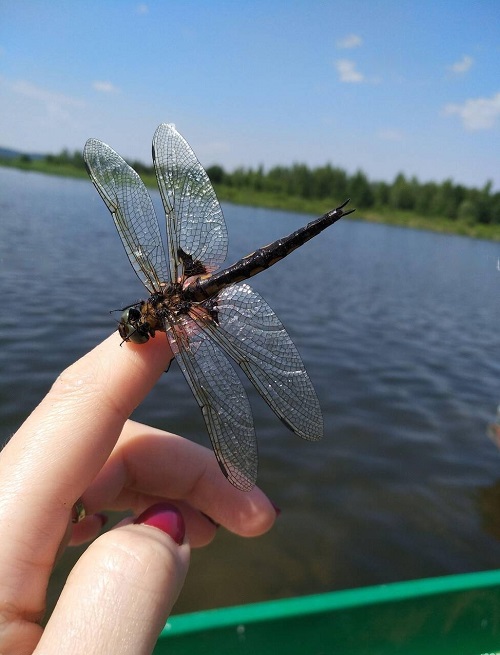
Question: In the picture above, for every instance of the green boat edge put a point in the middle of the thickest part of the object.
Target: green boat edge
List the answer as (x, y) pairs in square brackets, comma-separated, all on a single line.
[(455, 614)]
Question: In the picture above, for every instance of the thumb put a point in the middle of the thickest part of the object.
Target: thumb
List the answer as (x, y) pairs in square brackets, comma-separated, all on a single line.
[(121, 591)]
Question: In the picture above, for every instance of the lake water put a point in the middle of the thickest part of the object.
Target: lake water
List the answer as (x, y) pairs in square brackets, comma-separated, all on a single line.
[(399, 330)]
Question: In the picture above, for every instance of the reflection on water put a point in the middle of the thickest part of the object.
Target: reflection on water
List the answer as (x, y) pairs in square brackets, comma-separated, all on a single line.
[(399, 333), (488, 502)]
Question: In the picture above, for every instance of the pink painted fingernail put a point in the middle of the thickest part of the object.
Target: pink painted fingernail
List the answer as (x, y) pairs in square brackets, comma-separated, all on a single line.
[(103, 518), (165, 517), (276, 509)]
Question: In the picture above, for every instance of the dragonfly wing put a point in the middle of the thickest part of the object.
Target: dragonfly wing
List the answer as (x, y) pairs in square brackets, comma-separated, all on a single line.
[(222, 399), (196, 228), (251, 333), (132, 209)]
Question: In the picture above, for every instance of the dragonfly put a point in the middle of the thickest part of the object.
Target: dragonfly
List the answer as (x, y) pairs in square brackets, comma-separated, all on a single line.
[(211, 316)]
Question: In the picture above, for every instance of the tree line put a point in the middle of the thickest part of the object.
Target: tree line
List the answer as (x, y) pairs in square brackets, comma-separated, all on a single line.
[(330, 183), (444, 199)]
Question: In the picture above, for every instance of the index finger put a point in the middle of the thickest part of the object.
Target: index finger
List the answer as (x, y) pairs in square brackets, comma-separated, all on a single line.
[(68, 437), (58, 451)]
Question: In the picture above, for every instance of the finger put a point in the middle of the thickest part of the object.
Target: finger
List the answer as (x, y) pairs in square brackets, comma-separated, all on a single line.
[(87, 530), (148, 464), (55, 455), (200, 529), (69, 436), (119, 594)]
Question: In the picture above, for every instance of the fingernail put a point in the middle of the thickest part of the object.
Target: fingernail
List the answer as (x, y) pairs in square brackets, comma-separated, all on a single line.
[(103, 518), (276, 509), (165, 517), (209, 518)]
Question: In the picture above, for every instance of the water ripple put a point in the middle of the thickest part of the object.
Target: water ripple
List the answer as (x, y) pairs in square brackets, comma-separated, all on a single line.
[(399, 332)]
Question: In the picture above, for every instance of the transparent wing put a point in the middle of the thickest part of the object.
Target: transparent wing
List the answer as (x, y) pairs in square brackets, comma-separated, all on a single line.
[(132, 209), (196, 228), (222, 399), (251, 333)]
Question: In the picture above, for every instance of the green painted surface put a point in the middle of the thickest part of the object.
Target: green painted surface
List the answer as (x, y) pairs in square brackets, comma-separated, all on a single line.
[(455, 615)]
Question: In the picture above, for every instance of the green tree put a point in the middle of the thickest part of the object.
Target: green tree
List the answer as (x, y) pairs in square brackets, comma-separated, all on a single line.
[(329, 182), (381, 193), (424, 198), (216, 174), (277, 180), (467, 211), (447, 199), (360, 190), (402, 193), (300, 181)]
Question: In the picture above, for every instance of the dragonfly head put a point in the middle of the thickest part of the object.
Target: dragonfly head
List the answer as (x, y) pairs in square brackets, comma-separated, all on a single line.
[(131, 328)]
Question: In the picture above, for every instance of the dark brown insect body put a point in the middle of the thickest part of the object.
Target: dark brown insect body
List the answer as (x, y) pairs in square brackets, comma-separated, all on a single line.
[(207, 314), (163, 308)]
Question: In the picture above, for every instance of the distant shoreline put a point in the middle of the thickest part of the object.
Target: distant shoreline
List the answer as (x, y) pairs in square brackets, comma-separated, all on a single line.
[(252, 198)]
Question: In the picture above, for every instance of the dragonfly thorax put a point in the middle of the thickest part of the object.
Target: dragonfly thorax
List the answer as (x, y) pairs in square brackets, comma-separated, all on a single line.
[(139, 322)]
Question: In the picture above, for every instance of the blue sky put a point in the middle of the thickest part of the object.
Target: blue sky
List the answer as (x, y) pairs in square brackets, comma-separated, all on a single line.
[(381, 86)]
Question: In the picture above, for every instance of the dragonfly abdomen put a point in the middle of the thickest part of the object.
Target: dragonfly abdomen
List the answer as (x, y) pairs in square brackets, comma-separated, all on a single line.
[(207, 287)]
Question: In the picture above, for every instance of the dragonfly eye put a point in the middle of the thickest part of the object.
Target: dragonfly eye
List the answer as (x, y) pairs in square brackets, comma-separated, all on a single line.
[(129, 329)]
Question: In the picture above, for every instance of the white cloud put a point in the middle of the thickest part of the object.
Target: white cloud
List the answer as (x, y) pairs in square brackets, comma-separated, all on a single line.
[(350, 41), (391, 134), (39, 93), (462, 66), (477, 113), (142, 9), (105, 87), (347, 71), (38, 119), (55, 104)]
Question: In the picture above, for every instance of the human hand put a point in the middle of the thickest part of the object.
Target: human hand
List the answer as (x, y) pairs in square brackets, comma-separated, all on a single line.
[(79, 443)]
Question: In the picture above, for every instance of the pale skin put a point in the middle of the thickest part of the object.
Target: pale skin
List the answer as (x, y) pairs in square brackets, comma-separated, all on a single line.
[(79, 443)]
